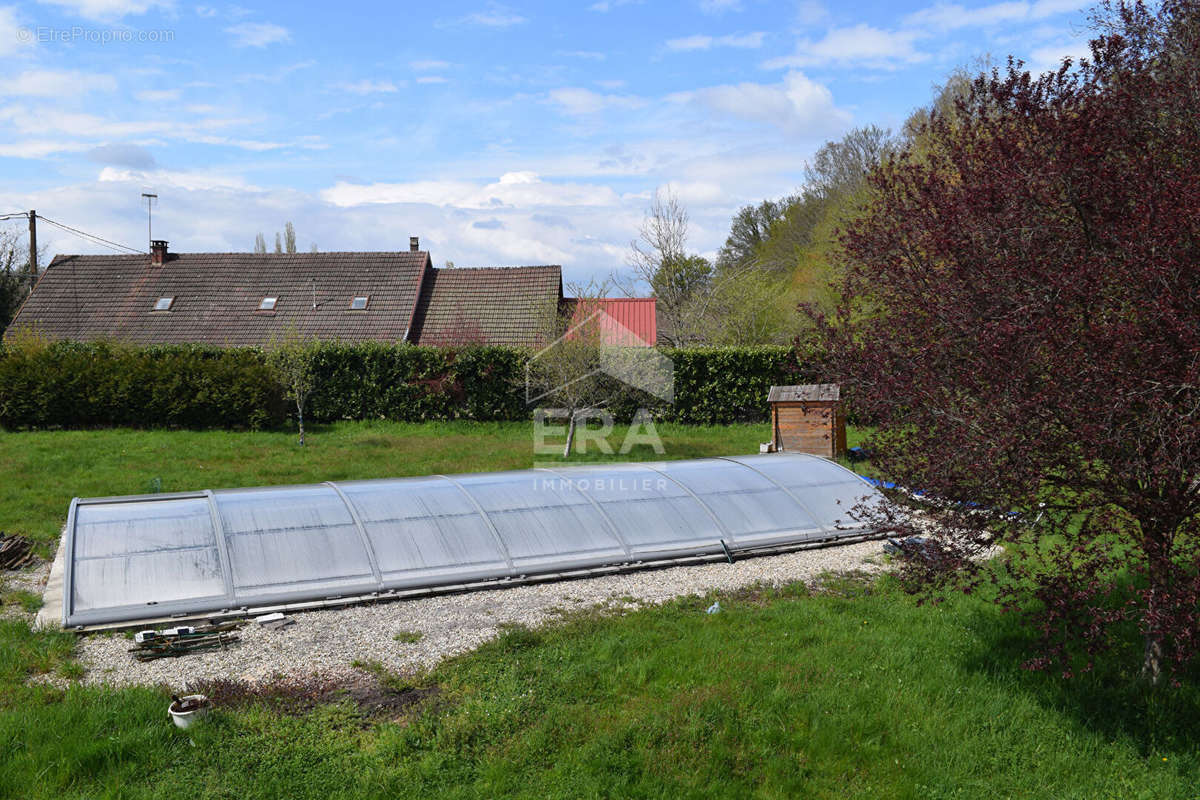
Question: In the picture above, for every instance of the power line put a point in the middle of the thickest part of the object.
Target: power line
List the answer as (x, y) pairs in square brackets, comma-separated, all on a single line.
[(91, 237), (21, 214)]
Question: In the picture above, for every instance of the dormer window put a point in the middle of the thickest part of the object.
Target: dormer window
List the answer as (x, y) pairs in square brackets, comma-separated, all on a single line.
[(268, 303), (164, 303), (359, 303)]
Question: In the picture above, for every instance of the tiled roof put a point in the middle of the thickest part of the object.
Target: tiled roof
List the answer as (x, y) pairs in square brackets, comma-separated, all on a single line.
[(498, 306), (626, 321), (216, 297)]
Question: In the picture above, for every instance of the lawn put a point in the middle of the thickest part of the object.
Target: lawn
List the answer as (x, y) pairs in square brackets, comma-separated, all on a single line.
[(44, 470), (854, 690)]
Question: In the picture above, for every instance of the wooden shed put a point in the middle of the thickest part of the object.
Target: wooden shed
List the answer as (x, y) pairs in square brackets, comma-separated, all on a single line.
[(808, 419)]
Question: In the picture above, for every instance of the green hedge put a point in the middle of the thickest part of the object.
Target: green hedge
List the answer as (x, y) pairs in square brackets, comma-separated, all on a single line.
[(78, 385), (75, 385)]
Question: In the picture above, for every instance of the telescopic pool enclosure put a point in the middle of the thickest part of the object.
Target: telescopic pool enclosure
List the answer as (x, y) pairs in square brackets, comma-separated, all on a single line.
[(193, 553)]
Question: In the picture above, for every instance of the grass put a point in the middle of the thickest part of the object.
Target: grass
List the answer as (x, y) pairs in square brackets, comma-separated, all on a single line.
[(44, 470), (408, 637), (856, 692), (853, 690)]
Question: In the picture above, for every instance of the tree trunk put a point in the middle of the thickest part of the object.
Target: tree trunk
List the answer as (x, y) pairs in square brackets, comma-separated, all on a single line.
[(300, 418), (570, 436), (1152, 654)]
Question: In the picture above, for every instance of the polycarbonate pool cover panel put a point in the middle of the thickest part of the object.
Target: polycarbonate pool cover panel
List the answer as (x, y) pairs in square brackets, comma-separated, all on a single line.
[(155, 556)]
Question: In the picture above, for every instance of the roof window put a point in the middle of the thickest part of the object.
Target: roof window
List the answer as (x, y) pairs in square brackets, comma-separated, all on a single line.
[(359, 303), (164, 303), (268, 303)]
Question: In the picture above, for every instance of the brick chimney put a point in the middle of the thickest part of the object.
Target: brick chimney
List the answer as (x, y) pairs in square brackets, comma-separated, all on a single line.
[(158, 252), (414, 244)]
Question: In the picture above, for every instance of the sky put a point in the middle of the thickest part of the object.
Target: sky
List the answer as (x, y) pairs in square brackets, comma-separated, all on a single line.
[(499, 133)]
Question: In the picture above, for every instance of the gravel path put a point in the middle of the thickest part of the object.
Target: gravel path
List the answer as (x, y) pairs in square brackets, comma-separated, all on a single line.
[(327, 641)]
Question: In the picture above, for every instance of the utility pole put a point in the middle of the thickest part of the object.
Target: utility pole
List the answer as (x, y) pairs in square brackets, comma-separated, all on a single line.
[(150, 198), (33, 267)]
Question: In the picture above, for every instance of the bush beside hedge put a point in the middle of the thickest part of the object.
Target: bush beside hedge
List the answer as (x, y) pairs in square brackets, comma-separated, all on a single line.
[(80, 385)]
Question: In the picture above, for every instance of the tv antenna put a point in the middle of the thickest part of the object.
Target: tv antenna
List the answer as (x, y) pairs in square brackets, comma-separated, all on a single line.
[(150, 198)]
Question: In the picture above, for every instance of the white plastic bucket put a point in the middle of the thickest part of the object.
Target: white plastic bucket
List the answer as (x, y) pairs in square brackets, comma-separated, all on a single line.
[(197, 706)]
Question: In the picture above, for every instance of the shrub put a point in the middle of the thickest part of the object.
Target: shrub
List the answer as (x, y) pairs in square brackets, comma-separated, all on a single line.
[(95, 384)]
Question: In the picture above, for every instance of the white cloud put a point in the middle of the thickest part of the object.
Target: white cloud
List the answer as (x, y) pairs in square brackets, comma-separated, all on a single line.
[(56, 83), (108, 9), (367, 86), (258, 34), (89, 130), (190, 180), (1048, 58), (158, 95), (119, 154), (604, 6), (585, 101), (206, 11), (495, 16), (513, 189), (432, 79), (1048, 8), (861, 46), (40, 148), (278, 75), (586, 55), (720, 6), (429, 65), (952, 16), (748, 41), (798, 105), (13, 36)]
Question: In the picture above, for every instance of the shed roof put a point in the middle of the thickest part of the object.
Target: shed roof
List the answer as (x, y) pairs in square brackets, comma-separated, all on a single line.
[(805, 393), (487, 305), (217, 297)]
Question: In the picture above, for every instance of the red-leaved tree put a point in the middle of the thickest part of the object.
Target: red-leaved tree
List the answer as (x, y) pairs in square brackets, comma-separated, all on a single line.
[(1022, 323)]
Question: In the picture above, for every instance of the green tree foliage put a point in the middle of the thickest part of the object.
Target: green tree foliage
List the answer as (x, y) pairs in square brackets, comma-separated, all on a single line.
[(748, 233), (294, 361)]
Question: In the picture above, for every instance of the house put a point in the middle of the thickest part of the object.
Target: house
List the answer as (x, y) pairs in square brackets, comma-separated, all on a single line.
[(244, 299), (248, 299)]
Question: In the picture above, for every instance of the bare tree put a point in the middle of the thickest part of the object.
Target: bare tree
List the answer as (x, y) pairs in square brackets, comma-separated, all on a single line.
[(659, 259), (15, 279), (260, 244), (565, 372), (289, 238), (840, 167), (278, 243)]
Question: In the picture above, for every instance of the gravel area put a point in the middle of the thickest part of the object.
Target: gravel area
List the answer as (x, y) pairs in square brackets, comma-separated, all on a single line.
[(31, 579), (327, 641)]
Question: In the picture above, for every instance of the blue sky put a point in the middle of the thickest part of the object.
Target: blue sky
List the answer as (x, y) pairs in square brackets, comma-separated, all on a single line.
[(501, 134)]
